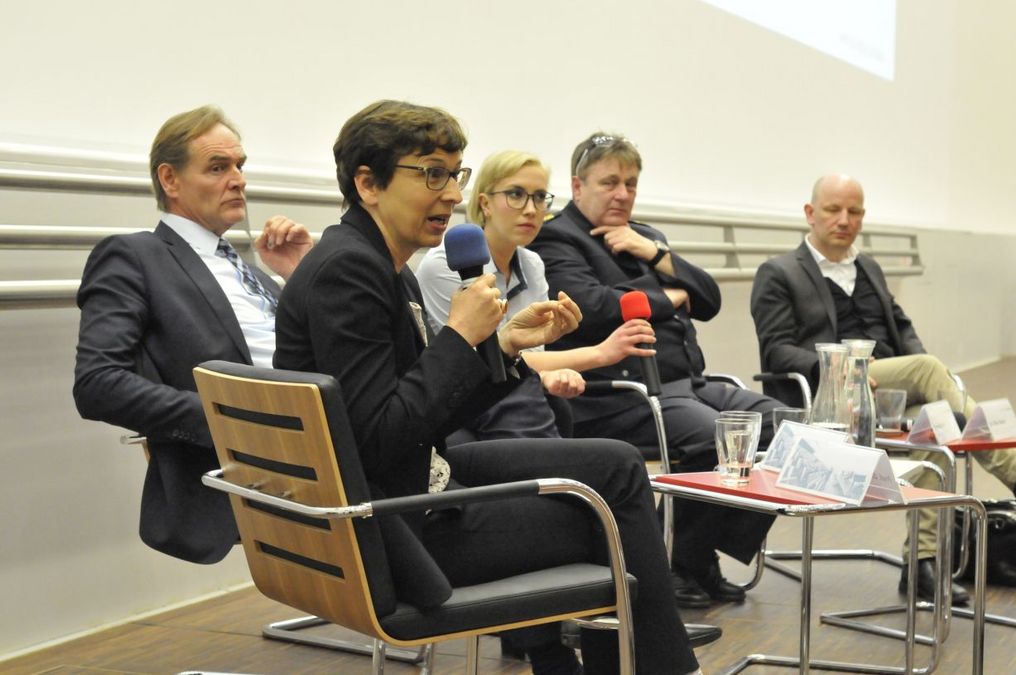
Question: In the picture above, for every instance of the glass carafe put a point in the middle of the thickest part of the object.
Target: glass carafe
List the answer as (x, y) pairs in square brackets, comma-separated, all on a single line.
[(860, 401), (858, 347), (829, 409)]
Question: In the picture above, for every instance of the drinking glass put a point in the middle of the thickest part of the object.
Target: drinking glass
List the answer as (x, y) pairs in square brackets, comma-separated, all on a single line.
[(755, 417), (889, 406), (736, 444), (790, 415)]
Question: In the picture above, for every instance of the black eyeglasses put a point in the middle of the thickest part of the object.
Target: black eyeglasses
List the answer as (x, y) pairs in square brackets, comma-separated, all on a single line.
[(517, 198), (595, 142), (438, 176)]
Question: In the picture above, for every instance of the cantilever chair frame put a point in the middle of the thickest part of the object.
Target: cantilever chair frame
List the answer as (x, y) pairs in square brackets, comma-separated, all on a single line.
[(309, 547)]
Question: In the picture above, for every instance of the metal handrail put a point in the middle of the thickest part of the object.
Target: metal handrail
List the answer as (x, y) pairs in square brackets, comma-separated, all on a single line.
[(906, 260)]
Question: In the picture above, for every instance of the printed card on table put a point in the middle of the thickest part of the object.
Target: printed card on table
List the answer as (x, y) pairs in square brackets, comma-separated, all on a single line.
[(854, 474), (993, 420), (787, 437), (935, 423)]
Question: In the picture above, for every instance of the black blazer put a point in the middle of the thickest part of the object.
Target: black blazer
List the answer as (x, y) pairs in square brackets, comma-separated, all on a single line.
[(581, 266), (345, 312), (793, 309), (151, 311)]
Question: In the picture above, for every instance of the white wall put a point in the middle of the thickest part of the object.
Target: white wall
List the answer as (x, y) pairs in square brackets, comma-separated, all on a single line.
[(726, 115), (724, 111)]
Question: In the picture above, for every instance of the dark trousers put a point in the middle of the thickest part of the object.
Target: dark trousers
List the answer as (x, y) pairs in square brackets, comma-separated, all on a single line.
[(492, 540), (689, 413)]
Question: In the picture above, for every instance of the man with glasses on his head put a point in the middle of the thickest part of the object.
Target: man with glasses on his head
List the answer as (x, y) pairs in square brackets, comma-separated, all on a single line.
[(595, 253), (156, 304)]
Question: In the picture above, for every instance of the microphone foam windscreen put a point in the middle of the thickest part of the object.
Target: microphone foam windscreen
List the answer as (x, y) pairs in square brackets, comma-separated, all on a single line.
[(466, 247), (635, 305)]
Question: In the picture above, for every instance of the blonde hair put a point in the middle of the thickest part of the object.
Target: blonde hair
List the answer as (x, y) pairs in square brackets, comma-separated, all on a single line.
[(496, 168)]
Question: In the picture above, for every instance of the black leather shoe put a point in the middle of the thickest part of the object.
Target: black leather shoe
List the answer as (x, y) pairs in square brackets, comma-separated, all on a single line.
[(926, 583), (718, 588), (554, 659), (701, 634), (687, 593)]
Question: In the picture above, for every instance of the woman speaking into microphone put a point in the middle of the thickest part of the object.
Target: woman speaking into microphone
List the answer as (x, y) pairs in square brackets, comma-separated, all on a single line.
[(353, 310)]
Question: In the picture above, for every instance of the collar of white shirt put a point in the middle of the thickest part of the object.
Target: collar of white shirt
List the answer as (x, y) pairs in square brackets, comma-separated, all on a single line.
[(200, 238), (842, 273)]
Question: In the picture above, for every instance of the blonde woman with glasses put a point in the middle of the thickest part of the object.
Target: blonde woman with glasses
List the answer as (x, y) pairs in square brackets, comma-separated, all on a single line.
[(510, 201)]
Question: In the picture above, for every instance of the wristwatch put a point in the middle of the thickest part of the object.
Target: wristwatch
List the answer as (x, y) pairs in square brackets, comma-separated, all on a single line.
[(661, 251)]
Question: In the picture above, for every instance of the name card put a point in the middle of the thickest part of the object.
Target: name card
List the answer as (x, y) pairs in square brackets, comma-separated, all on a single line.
[(993, 420), (854, 474), (787, 438), (936, 423)]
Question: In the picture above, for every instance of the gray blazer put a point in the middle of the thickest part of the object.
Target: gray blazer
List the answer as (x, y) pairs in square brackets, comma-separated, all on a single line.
[(793, 309)]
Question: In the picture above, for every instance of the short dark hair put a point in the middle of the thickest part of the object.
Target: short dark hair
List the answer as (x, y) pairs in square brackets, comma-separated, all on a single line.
[(603, 145), (385, 131), (171, 143)]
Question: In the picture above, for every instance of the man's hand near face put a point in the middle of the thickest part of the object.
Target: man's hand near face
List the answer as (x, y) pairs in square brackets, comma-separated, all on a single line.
[(282, 244)]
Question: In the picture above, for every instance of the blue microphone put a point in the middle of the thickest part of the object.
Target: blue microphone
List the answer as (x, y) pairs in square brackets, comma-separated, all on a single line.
[(467, 253)]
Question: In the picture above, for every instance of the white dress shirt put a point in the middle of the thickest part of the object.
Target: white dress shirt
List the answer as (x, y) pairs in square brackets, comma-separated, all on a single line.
[(257, 325)]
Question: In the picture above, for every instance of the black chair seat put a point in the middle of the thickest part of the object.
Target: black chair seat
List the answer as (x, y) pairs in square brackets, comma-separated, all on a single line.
[(549, 592)]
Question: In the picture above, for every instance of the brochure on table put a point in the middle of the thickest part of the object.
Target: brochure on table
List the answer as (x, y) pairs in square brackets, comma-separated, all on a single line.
[(991, 420), (832, 468), (935, 423)]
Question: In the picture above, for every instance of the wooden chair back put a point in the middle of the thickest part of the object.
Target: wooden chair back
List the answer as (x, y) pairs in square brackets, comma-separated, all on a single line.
[(278, 437)]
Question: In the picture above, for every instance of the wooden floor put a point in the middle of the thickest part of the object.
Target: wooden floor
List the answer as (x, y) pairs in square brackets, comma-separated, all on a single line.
[(224, 634)]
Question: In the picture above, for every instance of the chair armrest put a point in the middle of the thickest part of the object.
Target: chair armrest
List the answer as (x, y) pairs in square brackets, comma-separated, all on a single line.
[(958, 381), (214, 480), (458, 497), (801, 380), (726, 378), (600, 386), (378, 507)]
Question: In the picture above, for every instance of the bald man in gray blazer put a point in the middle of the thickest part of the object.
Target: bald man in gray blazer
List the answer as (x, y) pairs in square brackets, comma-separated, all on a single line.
[(827, 291)]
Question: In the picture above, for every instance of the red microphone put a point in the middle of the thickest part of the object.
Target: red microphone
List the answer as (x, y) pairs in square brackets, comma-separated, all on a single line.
[(635, 305)]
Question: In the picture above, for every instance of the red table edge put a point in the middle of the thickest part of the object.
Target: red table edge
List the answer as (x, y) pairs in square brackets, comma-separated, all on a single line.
[(961, 445), (762, 486)]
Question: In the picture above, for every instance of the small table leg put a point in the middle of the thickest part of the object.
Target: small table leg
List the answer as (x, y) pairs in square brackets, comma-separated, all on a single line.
[(807, 535)]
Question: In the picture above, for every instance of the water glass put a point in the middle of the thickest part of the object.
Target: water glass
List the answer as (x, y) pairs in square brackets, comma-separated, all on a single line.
[(736, 444), (889, 406), (755, 417), (789, 415)]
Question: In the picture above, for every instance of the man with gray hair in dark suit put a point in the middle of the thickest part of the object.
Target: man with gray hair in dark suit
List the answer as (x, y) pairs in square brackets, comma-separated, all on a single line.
[(156, 304)]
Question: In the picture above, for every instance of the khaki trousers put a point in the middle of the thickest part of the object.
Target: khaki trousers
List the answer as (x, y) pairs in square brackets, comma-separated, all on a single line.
[(926, 379)]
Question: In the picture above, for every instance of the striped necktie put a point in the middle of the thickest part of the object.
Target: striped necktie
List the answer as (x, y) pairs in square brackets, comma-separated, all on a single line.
[(246, 276)]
